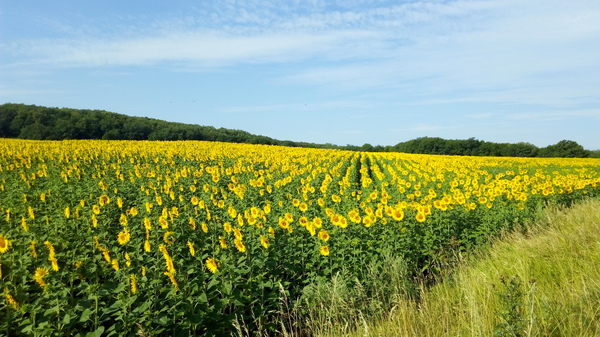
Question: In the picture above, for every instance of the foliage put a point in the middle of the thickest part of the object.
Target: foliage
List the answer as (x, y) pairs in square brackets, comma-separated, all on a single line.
[(474, 147), (128, 237), (42, 123)]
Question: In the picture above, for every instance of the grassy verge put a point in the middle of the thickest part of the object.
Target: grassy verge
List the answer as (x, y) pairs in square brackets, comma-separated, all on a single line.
[(543, 281)]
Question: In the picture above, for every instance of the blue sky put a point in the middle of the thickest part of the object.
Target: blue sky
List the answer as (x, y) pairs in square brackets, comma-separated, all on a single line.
[(341, 72)]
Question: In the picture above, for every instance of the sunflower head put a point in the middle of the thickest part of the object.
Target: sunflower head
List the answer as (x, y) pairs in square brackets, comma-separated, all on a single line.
[(4, 244)]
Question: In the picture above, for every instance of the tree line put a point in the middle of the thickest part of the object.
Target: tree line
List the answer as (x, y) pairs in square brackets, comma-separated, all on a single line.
[(48, 123)]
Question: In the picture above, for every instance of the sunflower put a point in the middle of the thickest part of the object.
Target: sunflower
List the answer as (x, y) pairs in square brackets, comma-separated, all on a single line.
[(4, 244), (239, 245), (264, 241), (163, 222), (283, 223), (124, 236), (33, 251), (103, 200), (39, 276), (397, 214), (212, 265), (324, 250), (168, 237), (10, 299), (192, 250), (133, 283), (222, 242), (323, 235)]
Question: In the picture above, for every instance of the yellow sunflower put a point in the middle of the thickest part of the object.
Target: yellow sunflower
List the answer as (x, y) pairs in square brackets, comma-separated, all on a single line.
[(4, 244)]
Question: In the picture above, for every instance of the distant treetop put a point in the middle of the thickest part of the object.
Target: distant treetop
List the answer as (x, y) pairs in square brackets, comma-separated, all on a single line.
[(44, 123)]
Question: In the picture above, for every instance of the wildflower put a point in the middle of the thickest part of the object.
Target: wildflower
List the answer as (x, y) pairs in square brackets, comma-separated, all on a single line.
[(212, 265)]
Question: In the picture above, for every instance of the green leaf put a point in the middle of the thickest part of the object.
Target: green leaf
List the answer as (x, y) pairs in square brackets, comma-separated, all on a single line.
[(143, 307), (97, 333), (66, 319), (85, 315), (203, 298)]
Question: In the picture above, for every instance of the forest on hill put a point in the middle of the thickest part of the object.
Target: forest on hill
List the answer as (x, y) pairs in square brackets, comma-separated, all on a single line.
[(50, 123)]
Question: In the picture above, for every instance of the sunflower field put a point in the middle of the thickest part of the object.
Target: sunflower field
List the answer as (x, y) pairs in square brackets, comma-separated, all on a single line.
[(185, 238)]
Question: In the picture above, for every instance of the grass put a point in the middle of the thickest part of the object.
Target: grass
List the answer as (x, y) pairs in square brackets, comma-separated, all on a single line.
[(541, 281)]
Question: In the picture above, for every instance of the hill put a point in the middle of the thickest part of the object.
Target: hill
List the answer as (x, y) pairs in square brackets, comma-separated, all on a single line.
[(49, 123)]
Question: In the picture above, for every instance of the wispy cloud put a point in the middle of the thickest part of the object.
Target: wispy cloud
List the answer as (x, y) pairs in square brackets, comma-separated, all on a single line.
[(556, 115)]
